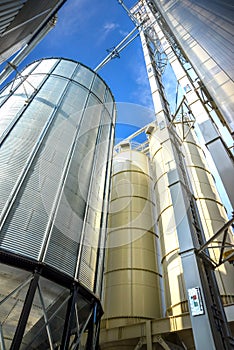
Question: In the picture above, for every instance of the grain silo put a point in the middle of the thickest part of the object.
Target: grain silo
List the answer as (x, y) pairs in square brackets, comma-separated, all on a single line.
[(210, 211), (132, 278), (147, 300), (56, 138)]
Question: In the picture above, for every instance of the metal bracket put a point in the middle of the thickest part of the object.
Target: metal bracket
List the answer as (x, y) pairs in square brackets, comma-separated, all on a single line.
[(162, 342), (226, 249)]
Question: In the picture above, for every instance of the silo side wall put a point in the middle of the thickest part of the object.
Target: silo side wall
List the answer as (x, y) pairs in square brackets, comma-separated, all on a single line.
[(163, 161), (56, 139), (132, 286), (205, 32), (211, 211)]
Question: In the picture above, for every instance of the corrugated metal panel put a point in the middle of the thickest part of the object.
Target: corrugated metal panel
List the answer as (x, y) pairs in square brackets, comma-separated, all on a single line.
[(54, 152), (99, 87), (15, 234), (62, 251), (8, 11), (86, 276), (20, 21), (18, 146), (205, 32)]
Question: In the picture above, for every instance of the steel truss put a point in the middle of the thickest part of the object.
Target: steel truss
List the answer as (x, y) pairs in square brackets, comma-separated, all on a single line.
[(224, 248), (76, 321)]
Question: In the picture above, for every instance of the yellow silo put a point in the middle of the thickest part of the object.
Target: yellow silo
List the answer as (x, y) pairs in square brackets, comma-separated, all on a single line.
[(211, 212), (132, 280), (163, 161)]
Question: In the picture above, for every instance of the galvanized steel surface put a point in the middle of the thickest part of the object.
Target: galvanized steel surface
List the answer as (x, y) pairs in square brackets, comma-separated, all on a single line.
[(211, 211), (205, 33), (20, 20), (56, 135)]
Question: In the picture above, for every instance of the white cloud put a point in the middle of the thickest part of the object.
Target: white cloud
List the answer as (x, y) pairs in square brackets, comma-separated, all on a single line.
[(134, 114), (109, 27), (123, 32), (72, 16), (142, 91), (106, 29)]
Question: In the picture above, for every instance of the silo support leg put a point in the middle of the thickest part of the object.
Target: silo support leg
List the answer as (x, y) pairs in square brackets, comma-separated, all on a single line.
[(162, 342), (69, 318), (93, 331), (2, 342), (96, 347), (148, 335), (19, 333), (89, 344)]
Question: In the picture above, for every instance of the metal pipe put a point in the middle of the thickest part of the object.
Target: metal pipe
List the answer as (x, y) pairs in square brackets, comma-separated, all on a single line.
[(2, 342), (110, 56), (129, 13)]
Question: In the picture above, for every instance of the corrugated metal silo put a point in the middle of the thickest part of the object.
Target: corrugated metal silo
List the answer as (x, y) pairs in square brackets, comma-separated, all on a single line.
[(204, 31), (56, 136), (22, 21)]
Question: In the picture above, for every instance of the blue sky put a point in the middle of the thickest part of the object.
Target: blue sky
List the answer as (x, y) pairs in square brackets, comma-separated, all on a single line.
[(84, 31)]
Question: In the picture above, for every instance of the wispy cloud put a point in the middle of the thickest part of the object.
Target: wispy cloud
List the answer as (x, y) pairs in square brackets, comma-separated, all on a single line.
[(106, 29), (72, 17), (109, 27), (142, 91), (123, 32)]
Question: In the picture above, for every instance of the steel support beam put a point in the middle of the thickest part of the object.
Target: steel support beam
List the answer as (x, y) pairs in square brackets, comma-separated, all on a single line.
[(148, 335), (48, 330), (92, 330), (69, 318), (19, 333)]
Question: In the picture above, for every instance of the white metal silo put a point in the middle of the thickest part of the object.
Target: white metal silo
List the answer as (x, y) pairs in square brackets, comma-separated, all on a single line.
[(56, 136)]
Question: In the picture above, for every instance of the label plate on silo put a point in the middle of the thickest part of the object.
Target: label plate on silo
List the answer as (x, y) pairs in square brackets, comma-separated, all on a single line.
[(195, 301)]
